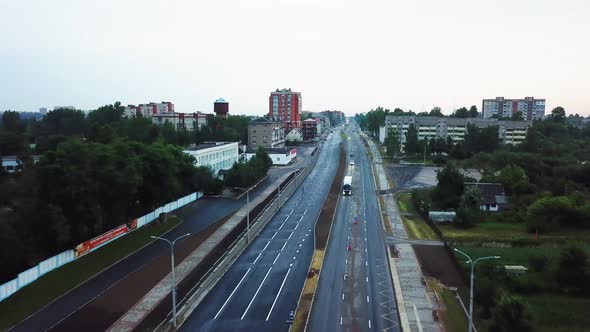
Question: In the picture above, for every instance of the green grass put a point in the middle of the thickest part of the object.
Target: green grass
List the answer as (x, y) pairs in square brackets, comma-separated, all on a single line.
[(486, 231), (559, 313), (453, 318), (418, 160), (57, 282), (415, 225)]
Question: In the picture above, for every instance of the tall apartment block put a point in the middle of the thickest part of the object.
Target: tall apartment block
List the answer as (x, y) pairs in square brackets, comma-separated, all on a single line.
[(285, 106), (530, 108)]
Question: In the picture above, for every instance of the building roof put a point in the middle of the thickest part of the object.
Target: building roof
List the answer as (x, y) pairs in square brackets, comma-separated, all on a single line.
[(441, 216), (295, 131), (207, 145), (262, 120), (221, 100), (491, 193), (273, 150)]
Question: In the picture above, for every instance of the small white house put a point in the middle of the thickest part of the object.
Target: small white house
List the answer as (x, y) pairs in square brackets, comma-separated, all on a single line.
[(279, 156), (295, 135)]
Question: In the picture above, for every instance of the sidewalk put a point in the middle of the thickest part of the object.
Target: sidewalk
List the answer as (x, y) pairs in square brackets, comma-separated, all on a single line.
[(415, 303)]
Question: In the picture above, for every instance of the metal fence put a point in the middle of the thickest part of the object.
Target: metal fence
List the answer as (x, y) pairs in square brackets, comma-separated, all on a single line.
[(26, 277)]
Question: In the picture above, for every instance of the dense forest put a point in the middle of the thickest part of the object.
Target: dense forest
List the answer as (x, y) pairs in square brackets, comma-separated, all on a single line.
[(96, 172)]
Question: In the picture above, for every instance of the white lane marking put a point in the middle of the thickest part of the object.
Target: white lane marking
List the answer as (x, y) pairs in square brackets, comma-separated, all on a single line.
[(365, 239), (303, 240), (346, 262), (365, 250), (287, 217), (279, 293), (251, 301), (340, 320), (366, 263), (367, 298), (369, 323), (293, 257), (283, 224), (297, 225), (342, 296), (301, 218), (291, 212), (230, 295), (290, 236), (266, 245), (304, 212), (257, 258), (272, 238), (283, 247), (273, 262), (367, 279), (348, 238)]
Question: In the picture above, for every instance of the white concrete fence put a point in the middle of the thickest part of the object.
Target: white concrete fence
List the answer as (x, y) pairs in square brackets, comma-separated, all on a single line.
[(26, 277)]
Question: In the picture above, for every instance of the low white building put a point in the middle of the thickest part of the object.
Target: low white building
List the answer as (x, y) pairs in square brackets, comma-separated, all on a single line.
[(294, 135), (215, 155), (279, 156)]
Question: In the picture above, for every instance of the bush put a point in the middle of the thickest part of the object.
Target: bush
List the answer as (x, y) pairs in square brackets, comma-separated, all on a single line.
[(538, 262)]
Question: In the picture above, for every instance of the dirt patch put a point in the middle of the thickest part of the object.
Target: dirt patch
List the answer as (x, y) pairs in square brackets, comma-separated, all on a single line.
[(437, 262), (105, 309)]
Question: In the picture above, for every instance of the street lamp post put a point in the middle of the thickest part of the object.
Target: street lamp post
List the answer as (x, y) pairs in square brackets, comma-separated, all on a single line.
[(173, 286), (472, 263), (248, 215)]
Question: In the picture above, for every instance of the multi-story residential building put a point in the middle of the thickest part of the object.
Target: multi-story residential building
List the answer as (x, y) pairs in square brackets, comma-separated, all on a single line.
[(285, 106), (509, 132), (187, 121), (148, 110), (530, 108), (311, 128), (215, 155), (266, 133)]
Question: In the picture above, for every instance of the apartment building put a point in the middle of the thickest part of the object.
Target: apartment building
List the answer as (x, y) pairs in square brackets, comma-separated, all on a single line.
[(531, 108), (266, 133), (187, 121), (285, 106), (509, 132)]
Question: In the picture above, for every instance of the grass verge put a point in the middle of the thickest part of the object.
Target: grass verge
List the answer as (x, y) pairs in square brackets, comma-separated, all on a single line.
[(57, 282), (415, 225), (309, 288), (451, 314), (386, 222)]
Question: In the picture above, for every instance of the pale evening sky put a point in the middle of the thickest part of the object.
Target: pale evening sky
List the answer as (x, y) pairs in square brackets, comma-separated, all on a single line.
[(344, 55)]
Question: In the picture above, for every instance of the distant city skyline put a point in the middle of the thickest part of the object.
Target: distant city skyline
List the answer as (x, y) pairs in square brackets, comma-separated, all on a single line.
[(341, 55)]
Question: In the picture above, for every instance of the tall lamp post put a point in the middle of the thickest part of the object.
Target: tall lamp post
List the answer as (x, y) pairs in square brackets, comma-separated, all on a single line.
[(248, 207), (472, 263), (173, 286)]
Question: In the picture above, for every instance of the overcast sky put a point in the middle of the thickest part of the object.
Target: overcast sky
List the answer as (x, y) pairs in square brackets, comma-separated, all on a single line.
[(344, 55)]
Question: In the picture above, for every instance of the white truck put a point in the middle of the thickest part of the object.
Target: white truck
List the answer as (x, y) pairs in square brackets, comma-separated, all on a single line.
[(347, 186)]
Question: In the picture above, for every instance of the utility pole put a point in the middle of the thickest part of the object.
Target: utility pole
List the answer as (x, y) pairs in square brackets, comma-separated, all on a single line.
[(173, 282), (472, 262)]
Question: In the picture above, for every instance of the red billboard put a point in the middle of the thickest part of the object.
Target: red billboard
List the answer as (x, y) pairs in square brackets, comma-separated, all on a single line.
[(86, 247)]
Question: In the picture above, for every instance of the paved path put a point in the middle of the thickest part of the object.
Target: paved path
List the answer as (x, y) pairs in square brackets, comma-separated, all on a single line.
[(417, 305)]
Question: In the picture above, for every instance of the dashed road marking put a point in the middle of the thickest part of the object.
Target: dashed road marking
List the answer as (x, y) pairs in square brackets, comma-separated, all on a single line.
[(273, 262), (266, 246), (253, 297), (230, 295), (257, 258)]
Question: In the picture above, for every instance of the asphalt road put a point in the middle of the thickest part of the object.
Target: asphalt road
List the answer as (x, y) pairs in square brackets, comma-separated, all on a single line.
[(355, 290), (263, 286), (197, 216)]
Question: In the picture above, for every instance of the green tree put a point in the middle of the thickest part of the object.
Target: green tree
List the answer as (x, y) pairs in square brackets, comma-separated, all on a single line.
[(548, 213), (517, 116), (436, 111), (449, 187), (558, 114), (392, 142), (12, 122), (573, 270), (461, 113), (514, 179), (538, 262), (473, 112), (412, 145), (511, 314)]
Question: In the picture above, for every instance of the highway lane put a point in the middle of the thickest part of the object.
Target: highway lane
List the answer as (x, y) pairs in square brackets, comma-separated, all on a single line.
[(262, 287), (197, 216), (355, 290)]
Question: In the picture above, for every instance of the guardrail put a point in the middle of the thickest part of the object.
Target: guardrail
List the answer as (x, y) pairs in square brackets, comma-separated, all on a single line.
[(196, 294)]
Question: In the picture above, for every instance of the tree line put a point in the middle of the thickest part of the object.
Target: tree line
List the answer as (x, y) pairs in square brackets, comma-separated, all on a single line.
[(97, 172)]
